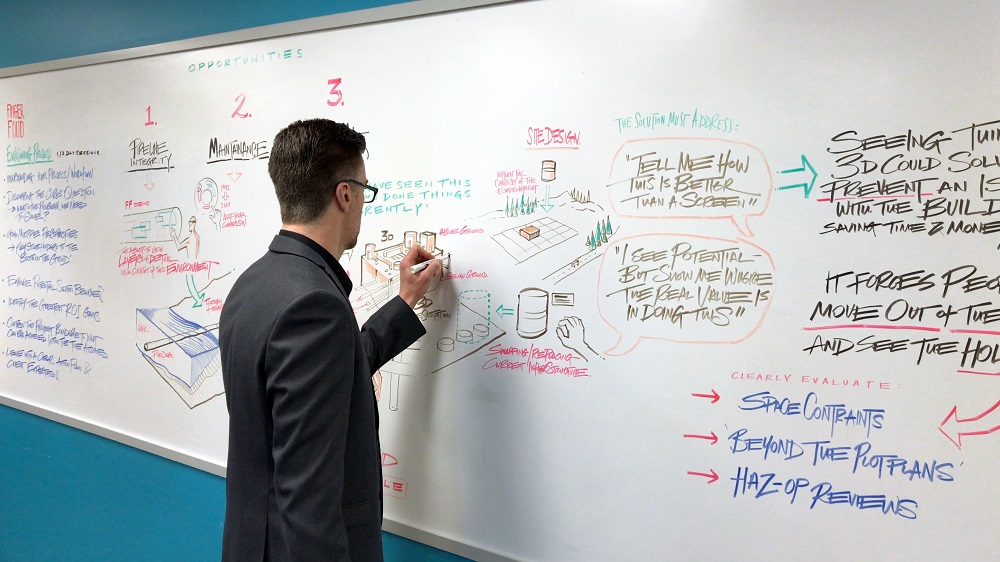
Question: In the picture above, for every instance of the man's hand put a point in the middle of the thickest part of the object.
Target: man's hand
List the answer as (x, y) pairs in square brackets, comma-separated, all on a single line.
[(412, 286)]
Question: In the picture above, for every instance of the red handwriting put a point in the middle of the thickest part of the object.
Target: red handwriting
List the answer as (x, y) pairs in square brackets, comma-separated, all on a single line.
[(789, 378), (395, 487), (234, 220), (547, 136), (462, 231), (130, 204), (467, 275), (213, 305), (537, 361), (152, 260)]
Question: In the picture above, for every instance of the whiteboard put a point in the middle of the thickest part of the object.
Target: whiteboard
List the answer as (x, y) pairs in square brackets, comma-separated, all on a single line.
[(721, 277)]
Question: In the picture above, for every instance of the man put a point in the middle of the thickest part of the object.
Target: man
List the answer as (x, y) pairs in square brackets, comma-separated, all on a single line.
[(304, 472), (193, 240)]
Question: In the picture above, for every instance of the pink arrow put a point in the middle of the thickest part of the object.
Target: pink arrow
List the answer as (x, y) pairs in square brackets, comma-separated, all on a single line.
[(712, 476), (960, 427), (714, 396), (713, 437)]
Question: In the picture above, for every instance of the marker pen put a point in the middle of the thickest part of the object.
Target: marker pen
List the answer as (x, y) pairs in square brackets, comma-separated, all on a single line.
[(420, 266)]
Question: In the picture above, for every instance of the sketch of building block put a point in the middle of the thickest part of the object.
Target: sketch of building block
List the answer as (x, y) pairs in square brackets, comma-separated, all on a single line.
[(529, 232)]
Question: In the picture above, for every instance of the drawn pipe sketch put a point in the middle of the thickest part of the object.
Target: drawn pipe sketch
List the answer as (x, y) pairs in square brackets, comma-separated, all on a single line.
[(391, 371), (394, 380), (153, 226), (184, 353)]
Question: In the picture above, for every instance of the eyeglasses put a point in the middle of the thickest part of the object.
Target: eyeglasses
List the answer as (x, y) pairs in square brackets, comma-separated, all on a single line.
[(370, 191)]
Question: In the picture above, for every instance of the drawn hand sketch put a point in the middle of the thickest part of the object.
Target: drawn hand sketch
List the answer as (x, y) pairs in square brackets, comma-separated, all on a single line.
[(570, 331)]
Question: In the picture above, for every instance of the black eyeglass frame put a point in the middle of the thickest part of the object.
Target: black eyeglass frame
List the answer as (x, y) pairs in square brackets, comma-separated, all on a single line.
[(368, 189)]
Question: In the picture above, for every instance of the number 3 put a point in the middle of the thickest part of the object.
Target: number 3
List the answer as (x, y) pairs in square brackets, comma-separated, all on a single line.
[(334, 84)]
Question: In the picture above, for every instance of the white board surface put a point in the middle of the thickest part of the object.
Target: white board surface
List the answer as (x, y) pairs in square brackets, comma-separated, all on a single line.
[(722, 277)]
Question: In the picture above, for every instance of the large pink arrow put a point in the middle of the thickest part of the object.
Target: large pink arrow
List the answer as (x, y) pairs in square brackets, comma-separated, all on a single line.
[(954, 427)]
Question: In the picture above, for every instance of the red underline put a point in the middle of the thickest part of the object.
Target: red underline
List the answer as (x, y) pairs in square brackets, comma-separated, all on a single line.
[(829, 199), (981, 332), (997, 374), (872, 327)]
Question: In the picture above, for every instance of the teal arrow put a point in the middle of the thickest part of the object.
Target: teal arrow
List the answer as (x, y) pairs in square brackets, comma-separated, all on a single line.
[(199, 297), (504, 311), (806, 187), (546, 205)]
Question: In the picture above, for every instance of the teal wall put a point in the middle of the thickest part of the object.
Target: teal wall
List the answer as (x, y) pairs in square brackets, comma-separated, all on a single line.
[(68, 495), (41, 30)]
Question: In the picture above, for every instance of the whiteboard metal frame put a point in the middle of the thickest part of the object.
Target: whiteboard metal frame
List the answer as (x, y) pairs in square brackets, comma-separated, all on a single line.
[(413, 8), (410, 9)]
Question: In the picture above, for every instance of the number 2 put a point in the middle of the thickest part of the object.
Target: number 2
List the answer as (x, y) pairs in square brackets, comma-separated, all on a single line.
[(242, 98)]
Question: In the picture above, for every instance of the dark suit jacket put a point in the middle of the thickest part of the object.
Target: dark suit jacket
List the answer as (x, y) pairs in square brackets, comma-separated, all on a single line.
[(304, 476)]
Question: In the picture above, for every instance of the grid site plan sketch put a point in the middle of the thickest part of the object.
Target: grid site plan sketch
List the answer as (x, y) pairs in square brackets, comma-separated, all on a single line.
[(530, 239)]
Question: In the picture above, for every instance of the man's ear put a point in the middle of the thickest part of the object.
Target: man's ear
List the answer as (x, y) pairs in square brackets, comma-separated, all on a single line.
[(342, 196)]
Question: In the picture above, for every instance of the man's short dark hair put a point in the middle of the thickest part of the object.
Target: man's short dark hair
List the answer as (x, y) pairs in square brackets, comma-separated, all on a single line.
[(307, 159)]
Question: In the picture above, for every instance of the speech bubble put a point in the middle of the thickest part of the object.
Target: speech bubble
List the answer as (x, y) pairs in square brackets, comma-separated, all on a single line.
[(690, 178), (683, 288)]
